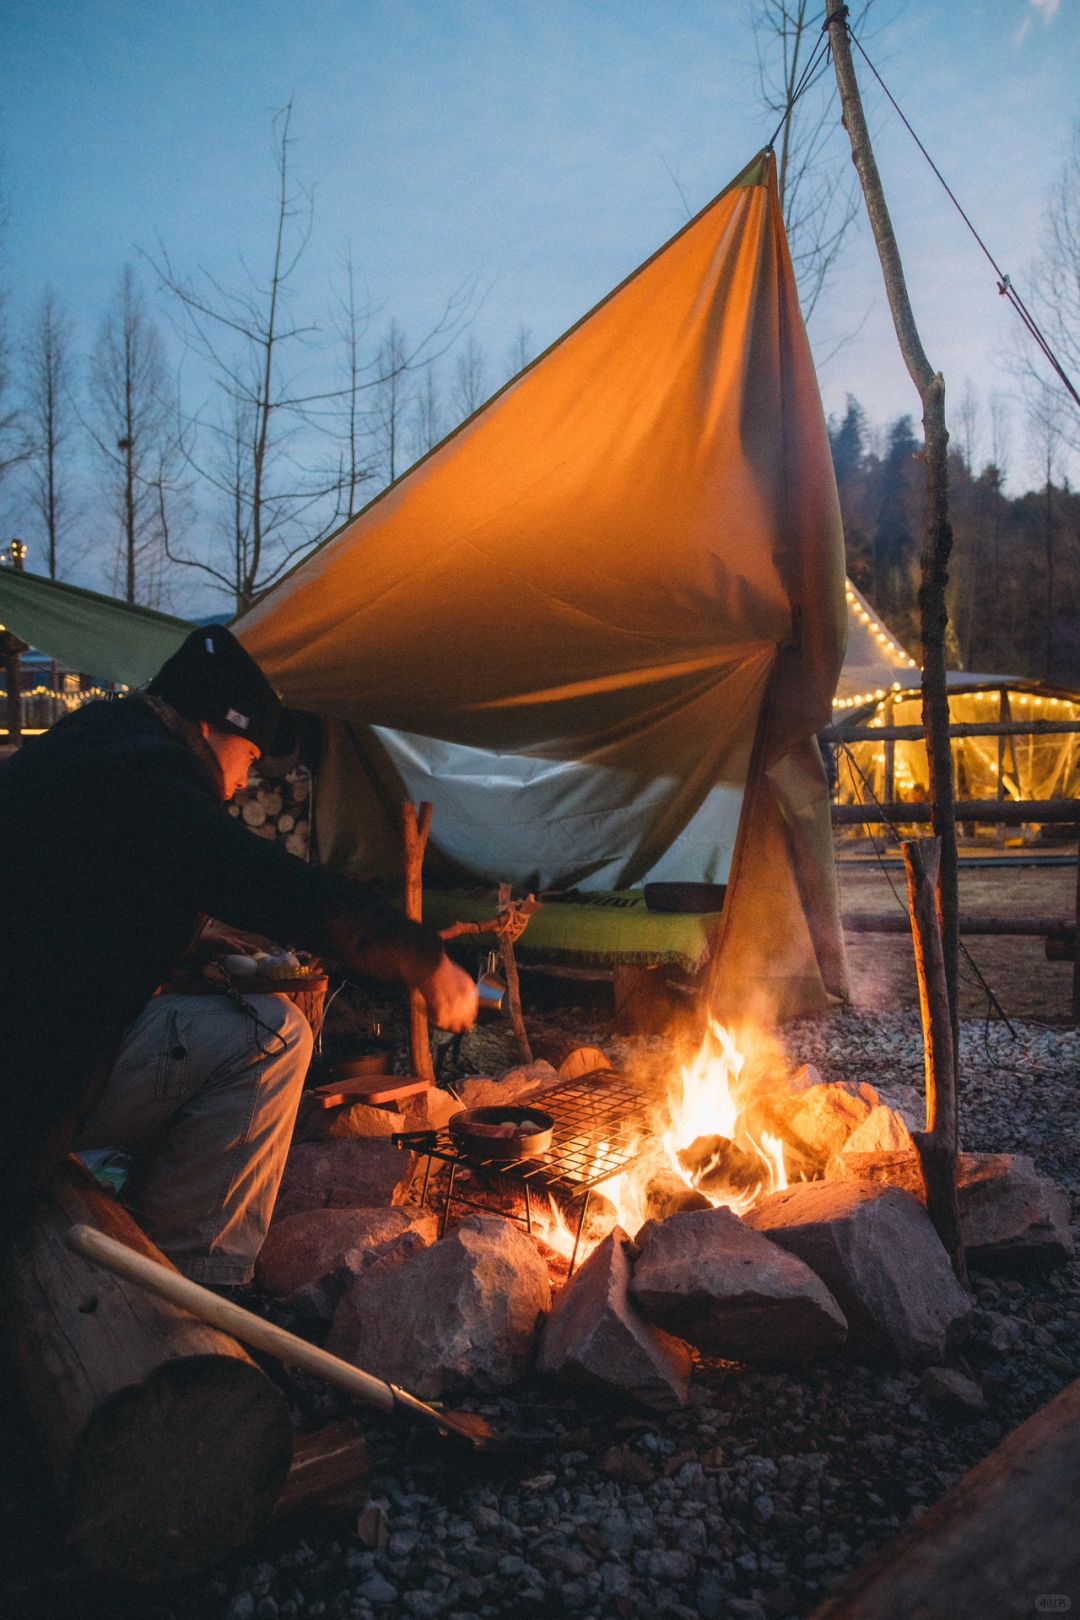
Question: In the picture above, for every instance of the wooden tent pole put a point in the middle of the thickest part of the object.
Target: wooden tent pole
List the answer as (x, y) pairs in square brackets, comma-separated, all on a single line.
[(513, 982), (937, 1145), (415, 826), (938, 537)]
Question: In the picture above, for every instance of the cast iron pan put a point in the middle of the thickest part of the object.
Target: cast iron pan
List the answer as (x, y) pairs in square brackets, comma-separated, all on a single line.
[(482, 1132)]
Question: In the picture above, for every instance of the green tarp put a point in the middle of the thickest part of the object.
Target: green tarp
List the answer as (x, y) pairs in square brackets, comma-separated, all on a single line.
[(94, 634)]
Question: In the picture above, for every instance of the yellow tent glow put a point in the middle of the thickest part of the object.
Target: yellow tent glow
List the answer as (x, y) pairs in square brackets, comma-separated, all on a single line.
[(601, 623)]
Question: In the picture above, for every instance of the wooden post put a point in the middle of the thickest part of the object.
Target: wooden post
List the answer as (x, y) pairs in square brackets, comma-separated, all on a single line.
[(1076, 938), (938, 537), (166, 1445), (11, 649), (513, 983), (415, 826), (937, 1145)]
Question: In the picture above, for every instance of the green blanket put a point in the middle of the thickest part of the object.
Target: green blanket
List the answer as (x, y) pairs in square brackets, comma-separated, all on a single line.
[(605, 929)]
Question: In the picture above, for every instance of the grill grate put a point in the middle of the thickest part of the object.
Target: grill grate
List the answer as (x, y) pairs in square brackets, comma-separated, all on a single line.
[(600, 1120)]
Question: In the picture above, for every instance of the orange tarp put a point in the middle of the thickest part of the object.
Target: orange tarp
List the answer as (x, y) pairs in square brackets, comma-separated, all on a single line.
[(628, 565)]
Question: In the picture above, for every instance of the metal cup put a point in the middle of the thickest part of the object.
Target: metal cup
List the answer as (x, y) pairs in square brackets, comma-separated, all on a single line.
[(491, 988)]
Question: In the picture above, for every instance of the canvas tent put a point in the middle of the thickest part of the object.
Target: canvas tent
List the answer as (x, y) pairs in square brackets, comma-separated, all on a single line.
[(600, 625)]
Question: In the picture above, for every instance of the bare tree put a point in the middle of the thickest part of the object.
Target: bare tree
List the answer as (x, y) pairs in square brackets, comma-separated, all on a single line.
[(427, 412), (392, 399), (1055, 299), (818, 193), (967, 417), (520, 351), (470, 387), (50, 416), (132, 426), (13, 447), (247, 448)]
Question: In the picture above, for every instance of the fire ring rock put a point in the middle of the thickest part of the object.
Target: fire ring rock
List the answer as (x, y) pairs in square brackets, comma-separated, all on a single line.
[(462, 1315), (304, 1247), (706, 1277), (595, 1337), (881, 1258), (359, 1173)]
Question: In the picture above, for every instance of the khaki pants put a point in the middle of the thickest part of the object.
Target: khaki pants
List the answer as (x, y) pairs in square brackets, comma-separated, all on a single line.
[(205, 1099)]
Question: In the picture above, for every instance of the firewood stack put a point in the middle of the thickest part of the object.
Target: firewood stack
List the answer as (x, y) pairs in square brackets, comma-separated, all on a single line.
[(278, 810)]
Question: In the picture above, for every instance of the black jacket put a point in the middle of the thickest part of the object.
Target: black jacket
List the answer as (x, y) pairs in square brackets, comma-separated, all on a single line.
[(113, 843)]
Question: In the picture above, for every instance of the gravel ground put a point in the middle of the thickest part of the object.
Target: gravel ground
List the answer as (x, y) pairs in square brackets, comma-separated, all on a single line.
[(752, 1503)]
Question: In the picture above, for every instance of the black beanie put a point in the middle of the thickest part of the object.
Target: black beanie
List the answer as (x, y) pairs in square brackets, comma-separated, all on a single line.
[(211, 677)]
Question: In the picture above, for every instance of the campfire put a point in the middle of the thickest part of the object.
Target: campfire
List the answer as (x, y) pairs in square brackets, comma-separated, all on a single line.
[(697, 1136)]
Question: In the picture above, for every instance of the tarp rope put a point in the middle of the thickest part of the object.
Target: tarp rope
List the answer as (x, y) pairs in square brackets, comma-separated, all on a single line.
[(817, 57), (1004, 283)]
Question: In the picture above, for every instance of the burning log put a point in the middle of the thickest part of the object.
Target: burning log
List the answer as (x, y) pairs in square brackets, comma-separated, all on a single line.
[(716, 1162), (167, 1445)]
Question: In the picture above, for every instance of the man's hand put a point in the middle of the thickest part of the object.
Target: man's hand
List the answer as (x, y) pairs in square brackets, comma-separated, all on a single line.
[(451, 997)]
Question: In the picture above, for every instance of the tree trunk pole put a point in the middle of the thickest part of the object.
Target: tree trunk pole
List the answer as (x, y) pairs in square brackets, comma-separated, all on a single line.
[(937, 1145), (415, 826), (513, 983), (938, 539)]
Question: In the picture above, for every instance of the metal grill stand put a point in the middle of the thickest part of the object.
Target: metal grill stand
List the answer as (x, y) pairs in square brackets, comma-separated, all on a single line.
[(599, 1125)]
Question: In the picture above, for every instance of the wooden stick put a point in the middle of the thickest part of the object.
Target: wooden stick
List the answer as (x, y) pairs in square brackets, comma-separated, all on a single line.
[(1076, 938), (415, 828), (937, 1145), (513, 983), (1001, 1542), (494, 925)]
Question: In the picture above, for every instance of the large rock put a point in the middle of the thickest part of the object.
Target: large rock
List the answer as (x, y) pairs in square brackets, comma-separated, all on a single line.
[(884, 1130), (881, 1258), (595, 1337), (816, 1122), (463, 1314), (350, 1119), (301, 1248), (517, 1088), (360, 1173), (1011, 1218), (706, 1277)]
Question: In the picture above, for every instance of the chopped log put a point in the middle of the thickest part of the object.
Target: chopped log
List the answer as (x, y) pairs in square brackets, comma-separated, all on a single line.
[(270, 799), (415, 826), (937, 1145), (167, 1446), (330, 1468), (1001, 1542), (253, 813), (286, 822)]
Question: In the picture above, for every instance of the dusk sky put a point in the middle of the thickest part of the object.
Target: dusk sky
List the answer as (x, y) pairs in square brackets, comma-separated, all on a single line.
[(542, 149)]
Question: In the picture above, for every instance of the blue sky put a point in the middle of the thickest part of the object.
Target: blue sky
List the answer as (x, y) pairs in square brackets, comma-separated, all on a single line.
[(544, 147)]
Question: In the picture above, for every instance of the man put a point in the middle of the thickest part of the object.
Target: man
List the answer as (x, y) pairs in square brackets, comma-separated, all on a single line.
[(115, 845)]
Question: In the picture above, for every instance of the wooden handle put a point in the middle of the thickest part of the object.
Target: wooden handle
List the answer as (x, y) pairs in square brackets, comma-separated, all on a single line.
[(234, 1319)]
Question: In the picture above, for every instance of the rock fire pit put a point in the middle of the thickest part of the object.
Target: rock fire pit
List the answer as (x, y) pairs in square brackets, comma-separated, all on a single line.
[(757, 1215)]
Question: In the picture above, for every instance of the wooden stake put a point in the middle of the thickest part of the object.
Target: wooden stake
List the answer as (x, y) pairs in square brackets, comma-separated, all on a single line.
[(415, 826), (937, 1145), (1076, 938), (513, 983)]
